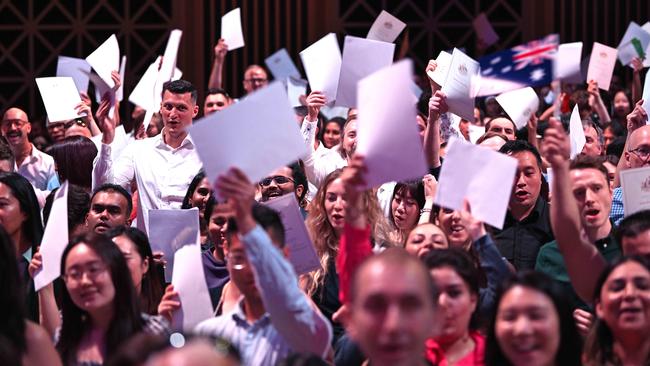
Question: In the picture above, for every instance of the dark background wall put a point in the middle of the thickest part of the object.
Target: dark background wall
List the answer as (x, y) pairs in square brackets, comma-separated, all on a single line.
[(34, 32)]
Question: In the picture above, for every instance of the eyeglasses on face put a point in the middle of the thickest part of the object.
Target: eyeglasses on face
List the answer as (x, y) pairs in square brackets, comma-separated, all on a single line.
[(93, 270), (279, 179), (642, 152), (6, 123), (256, 80)]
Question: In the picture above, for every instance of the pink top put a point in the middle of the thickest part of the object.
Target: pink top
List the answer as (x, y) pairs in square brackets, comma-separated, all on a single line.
[(436, 355), (354, 247)]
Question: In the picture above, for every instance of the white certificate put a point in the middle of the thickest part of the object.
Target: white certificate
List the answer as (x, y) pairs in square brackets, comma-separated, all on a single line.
[(567, 62), (60, 97), (626, 51), (231, 30), (322, 63), (55, 239), (439, 75), (636, 189), (106, 59), (361, 57), (519, 104), (458, 85), (295, 89), (576, 133), (302, 253), (189, 281), (76, 68), (281, 65), (601, 65), (386, 28)]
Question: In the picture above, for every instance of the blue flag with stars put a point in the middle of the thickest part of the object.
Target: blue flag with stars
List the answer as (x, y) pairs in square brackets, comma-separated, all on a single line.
[(529, 64)]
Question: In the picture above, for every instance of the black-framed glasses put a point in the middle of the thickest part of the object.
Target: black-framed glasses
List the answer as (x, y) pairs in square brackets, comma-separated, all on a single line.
[(642, 152), (256, 80), (13, 122), (279, 179)]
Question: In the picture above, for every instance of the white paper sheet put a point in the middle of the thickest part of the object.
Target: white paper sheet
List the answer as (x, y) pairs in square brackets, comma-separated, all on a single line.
[(105, 59), (576, 133), (170, 229), (636, 189), (566, 65), (143, 93), (483, 176), (633, 31), (231, 30), (361, 57), (439, 75), (387, 133), (322, 63), (258, 135), (519, 104), (386, 28), (601, 65), (302, 253), (189, 281), (281, 65), (76, 68), (119, 94), (475, 132), (165, 73), (55, 239), (458, 84), (484, 30), (296, 88), (60, 97)]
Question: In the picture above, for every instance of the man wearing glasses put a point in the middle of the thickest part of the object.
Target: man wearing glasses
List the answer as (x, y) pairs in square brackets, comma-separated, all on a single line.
[(288, 179), (636, 155), (255, 76), (31, 163)]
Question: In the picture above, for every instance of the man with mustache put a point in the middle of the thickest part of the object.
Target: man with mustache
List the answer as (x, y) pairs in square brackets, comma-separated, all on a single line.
[(288, 179), (31, 163), (527, 226)]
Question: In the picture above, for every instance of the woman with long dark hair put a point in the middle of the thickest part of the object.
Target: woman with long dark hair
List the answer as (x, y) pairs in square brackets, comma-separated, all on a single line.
[(100, 307), (197, 195)]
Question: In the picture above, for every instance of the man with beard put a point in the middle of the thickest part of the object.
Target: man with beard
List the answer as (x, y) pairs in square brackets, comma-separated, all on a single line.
[(288, 179), (110, 206), (31, 163)]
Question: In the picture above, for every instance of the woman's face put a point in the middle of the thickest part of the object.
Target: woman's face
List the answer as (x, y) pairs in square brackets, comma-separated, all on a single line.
[(611, 173), (425, 237), (88, 280), (335, 203), (608, 137), (405, 210), (11, 216), (456, 303), (332, 134), (201, 195), (137, 265), (625, 300), (621, 104), (452, 226), (350, 138), (527, 327), (218, 224)]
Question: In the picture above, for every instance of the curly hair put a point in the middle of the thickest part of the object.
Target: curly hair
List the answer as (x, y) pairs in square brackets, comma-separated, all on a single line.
[(326, 239)]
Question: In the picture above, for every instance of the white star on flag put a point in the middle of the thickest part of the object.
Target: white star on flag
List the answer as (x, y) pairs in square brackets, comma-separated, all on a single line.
[(537, 74)]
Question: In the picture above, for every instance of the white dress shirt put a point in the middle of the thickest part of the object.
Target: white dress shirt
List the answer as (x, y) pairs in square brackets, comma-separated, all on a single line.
[(162, 173), (38, 168), (318, 164)]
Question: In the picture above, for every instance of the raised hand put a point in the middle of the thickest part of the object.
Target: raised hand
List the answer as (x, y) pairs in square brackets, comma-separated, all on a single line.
[(637, 117), (220, 50), (169, 303), (431, 67), (106, 123), (556, 147), (315, 101), (475, 228), (437, 105)]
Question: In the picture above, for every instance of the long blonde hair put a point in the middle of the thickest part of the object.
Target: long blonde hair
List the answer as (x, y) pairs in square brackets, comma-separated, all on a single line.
[(325, 238)]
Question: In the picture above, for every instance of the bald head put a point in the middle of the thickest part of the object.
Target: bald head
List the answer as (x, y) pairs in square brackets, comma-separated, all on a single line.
[(15, 127), (638, 146), (255, 77)]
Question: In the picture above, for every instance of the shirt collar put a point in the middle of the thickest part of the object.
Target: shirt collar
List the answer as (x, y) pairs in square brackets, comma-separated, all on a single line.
[(186, 143), (239, 316), (28, 255)]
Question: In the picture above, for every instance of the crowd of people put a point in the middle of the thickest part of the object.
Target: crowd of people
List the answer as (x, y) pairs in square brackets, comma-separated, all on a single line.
[(401, 280)]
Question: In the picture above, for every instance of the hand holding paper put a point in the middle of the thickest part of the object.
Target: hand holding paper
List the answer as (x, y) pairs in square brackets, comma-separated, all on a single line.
[(458, 84), (231, 29), (438, 74), (105, 59), (60, 97), (601, 65), (519, 104), (322, 63)]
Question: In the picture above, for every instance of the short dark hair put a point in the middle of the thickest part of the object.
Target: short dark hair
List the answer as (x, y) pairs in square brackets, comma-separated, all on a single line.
[(299, 178), (502, 115), (110, 187), (268, 219), (217, 91), (569, 351), (181, 87), (588, 122), (516, 146), (589, 162), (78, 206), (6, 153), (489, 135), (633, 225)]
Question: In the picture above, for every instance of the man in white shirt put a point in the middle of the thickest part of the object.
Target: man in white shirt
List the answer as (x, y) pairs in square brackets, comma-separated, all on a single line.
[(162, 166), (31, 163)]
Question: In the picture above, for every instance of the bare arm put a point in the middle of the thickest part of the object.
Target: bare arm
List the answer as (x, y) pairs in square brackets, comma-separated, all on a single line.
[(216, 75), (431, 145), (583, 261), (637, 66), (597, 104)]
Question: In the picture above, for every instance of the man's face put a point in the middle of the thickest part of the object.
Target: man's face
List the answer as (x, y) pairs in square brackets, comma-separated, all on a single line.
[(591, 191), (350, 138), (214, 103), (107, 210), (638, 154), (528, 181), (592, 144), (15, 127), (503, 126), (177, 111), (255, 78), (391, 319), (637, 245), (56, 131), (279, 183)]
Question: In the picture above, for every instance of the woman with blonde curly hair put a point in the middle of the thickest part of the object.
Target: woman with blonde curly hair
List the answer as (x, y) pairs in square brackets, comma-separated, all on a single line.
[(325, 223)]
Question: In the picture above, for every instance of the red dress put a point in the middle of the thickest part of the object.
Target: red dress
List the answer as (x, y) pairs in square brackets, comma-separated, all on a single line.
[(435, 354)]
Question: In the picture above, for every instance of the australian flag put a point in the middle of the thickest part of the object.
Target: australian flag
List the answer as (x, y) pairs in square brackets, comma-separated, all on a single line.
[(529, 64)]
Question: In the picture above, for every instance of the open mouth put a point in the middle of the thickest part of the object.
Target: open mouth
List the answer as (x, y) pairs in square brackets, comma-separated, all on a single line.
[(455, 229), (591, 213), (337, 218), (521, 194)]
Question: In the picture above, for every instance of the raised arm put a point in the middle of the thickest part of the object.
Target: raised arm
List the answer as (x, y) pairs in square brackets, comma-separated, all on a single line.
[(216, 75), (48, 312), (431, 144), (290, 310), (583, 261), (637, 66), (596, 103)]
